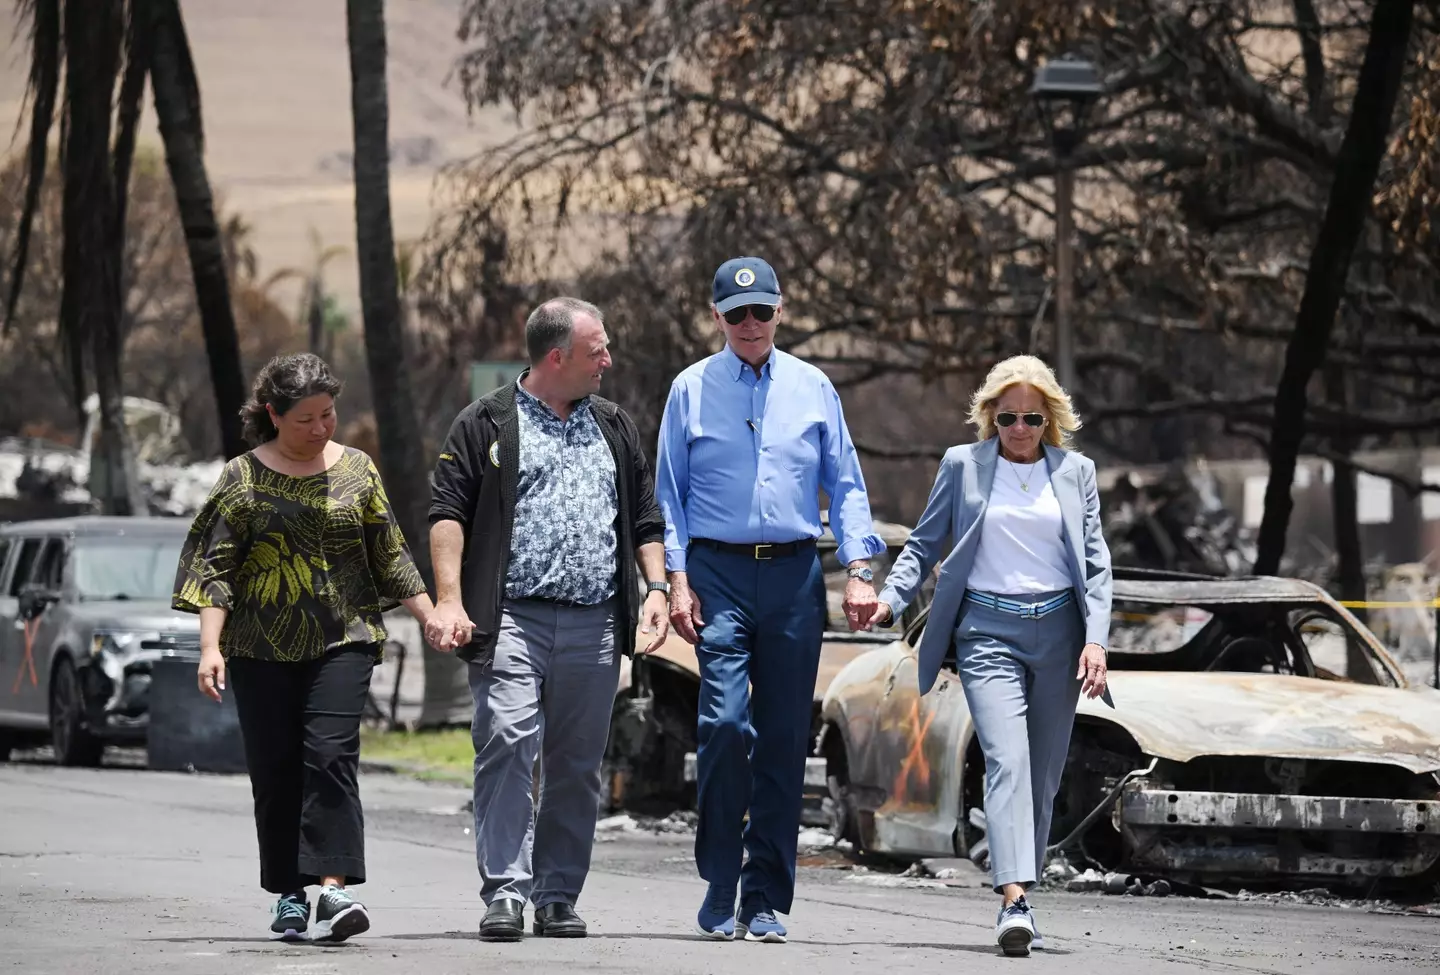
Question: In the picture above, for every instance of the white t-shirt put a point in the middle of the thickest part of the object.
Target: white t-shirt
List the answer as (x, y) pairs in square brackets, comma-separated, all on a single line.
[(1022, 543)]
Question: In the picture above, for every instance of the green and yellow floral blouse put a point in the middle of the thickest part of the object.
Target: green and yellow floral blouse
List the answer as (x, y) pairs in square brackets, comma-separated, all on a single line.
[(303, 565)]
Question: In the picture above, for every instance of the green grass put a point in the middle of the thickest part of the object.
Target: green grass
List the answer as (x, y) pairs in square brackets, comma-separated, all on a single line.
[(446, 755)]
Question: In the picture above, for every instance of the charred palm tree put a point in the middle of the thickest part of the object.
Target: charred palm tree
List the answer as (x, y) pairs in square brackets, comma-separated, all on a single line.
[(145, 38), (177, 106), (90, 41), (447, 697)]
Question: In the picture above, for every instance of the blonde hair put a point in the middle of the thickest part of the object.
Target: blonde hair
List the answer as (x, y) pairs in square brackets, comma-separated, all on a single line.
[(1025, 370)]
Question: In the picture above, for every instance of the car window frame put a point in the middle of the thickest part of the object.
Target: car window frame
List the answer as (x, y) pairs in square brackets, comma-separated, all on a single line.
[(7, 545), (52, 542), (19, 579), (1342, 618)]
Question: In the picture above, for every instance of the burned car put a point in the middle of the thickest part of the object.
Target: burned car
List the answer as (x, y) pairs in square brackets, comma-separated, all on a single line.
[(650, 757), (84, 615), (1260, 733)]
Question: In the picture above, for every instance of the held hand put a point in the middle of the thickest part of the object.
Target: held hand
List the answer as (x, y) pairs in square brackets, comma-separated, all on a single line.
[(860, 604), (883, 615), (448, 626), (685, 609), (210, 677), (656, 614), (1092, 670)]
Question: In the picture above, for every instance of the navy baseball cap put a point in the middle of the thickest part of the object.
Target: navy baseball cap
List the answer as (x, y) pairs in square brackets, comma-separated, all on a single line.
[(745, 281)]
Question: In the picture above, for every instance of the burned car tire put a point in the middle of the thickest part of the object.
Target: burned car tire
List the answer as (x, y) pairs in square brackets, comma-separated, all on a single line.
[(71, 739)]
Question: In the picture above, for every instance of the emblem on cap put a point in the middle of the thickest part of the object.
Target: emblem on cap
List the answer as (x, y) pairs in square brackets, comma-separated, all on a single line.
[(744, 277)]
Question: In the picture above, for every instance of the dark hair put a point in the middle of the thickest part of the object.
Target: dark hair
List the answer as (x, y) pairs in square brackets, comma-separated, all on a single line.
[(285, 381), (550, 326)]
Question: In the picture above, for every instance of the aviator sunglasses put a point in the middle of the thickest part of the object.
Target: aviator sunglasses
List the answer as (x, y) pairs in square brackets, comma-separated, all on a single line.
[(1007, 419), (762, 313)]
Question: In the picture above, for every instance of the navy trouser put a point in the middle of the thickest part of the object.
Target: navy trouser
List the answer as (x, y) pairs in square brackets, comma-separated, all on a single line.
[(759, 650)]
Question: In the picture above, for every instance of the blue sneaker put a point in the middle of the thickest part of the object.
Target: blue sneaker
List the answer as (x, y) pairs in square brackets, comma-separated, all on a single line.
[(717, 915), (760, 924), (1038, 942), (1015, 929), (292, 918)]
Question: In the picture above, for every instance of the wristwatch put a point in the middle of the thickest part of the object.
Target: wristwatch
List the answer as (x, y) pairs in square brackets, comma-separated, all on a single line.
[(658, 587), (864, 574)]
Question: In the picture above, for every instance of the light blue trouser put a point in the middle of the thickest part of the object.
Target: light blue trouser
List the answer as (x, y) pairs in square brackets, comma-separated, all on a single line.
[(1019, 681), (547, 690)]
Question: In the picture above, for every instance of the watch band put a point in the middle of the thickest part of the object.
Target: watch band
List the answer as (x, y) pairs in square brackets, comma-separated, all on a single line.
[(657, 587)]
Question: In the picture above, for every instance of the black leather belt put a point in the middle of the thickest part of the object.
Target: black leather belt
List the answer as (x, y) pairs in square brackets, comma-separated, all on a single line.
[(760, 550)]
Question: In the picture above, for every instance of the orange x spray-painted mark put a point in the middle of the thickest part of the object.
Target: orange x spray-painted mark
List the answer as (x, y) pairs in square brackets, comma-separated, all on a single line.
[(915, 758), (30, 627)]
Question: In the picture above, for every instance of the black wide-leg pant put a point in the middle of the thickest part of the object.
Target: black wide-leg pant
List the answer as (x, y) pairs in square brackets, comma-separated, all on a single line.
[(301, 726)]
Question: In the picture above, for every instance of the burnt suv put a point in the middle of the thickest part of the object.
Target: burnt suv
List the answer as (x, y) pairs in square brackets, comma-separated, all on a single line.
[(84, 614)]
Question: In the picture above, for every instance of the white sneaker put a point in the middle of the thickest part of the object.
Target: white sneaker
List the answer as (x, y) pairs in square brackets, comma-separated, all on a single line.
[(1015, 929)]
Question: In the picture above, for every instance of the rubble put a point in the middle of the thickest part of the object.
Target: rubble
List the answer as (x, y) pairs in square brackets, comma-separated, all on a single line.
[(813, 839), (679, 823), (43, 478)]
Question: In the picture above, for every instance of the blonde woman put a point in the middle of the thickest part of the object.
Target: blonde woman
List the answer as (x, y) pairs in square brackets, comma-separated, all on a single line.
[(1025, 596)]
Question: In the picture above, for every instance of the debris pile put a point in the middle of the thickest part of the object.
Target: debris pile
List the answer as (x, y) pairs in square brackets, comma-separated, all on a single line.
[(681, 823)]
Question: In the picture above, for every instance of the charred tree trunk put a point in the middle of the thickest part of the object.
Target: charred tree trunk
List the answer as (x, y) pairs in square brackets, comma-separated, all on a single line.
[(1345, 504), (402, 460), (1351, 191), (177, 106), (90, 307)]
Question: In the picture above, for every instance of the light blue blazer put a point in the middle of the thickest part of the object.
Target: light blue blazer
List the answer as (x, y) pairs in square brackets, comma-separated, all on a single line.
[(956, 510)]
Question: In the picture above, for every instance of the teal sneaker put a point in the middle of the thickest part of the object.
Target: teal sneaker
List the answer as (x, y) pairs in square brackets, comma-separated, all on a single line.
[(292, 918)]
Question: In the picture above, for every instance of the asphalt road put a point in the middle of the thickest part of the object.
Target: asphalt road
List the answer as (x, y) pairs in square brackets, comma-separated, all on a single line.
[(119, 870)]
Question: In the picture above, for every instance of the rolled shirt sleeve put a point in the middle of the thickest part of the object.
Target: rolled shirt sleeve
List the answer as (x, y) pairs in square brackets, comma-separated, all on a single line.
[(844, 484)]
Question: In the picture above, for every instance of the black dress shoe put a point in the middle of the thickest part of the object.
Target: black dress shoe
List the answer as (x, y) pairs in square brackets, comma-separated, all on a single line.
[(558, 921), (504, 921)]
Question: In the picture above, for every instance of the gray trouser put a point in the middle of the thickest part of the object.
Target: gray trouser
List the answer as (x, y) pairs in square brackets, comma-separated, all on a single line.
[(547, 690), (1019, 681)]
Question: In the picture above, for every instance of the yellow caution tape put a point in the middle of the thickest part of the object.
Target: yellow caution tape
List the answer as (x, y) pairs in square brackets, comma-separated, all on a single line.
[(1390, 604)]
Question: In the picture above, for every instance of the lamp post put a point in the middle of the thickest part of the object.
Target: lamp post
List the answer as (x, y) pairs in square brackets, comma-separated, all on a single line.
[(1064, 90)]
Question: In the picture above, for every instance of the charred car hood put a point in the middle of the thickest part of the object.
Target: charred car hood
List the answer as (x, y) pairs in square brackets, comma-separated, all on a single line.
[(1180, 716)]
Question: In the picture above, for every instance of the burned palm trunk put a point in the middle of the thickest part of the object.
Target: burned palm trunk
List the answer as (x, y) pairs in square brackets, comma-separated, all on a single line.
[(177, 105), (90, 303), (402, 459)]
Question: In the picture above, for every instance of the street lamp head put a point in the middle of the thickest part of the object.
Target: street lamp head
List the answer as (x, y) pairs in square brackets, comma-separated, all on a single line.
[(1064, 91)]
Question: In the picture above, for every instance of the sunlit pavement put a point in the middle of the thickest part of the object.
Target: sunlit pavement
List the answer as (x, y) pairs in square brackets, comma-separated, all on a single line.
[(125, 870)]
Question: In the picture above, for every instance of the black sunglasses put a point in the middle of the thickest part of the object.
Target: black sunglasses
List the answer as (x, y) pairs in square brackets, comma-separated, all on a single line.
[(1007, 419), (762, 313)]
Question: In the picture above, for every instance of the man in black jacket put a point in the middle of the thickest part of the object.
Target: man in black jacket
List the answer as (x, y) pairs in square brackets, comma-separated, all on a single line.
[(541, 504)]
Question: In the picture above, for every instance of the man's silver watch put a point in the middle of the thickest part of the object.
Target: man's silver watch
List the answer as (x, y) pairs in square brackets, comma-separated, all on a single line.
[(863, 573), (658, 587)]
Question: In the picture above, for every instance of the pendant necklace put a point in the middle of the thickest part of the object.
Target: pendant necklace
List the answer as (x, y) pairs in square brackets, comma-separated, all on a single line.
[(1024, 484)]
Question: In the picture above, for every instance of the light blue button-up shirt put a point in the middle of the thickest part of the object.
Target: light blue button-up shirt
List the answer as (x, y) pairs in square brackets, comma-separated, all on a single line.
[(742, 459)]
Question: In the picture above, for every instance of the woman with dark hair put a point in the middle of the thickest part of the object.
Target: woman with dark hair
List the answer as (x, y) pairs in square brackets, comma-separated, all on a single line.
[(291, 564)]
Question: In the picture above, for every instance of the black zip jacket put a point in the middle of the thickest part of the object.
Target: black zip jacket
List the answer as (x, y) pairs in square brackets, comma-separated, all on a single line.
[(475, 483)]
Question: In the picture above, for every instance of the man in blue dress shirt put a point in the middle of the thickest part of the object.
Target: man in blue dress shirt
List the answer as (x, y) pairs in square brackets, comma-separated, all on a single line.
[(749, 438)]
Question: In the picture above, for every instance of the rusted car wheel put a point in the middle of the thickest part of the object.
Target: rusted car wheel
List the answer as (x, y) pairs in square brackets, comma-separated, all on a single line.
[(72, 741)]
